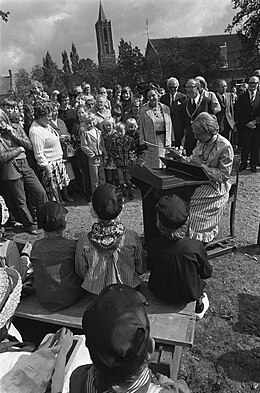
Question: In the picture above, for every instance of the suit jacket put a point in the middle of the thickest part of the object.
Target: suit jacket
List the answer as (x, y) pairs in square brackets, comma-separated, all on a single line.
[(245, 112), (175, 110), (227, 111), (189, 115), (10, 149), (93, 145)]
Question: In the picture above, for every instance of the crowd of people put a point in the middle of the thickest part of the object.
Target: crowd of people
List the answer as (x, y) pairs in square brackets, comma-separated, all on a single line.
[(53, 146)]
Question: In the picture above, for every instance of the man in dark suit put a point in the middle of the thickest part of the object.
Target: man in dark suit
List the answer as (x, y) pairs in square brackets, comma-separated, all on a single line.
[(248, 118), (191, 108), (226, 115), (174, 100)]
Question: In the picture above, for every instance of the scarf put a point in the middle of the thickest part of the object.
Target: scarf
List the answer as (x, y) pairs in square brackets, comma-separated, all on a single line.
[(106, 234), (140, 385)]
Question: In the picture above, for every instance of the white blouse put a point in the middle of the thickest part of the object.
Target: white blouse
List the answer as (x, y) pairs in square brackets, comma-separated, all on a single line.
[(46, 144)]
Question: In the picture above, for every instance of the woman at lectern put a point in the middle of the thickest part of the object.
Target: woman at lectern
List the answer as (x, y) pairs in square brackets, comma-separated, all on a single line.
[(214, 154)]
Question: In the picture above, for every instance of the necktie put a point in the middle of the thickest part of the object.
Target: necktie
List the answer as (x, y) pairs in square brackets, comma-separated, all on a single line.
[(224, 100), (252, 99)]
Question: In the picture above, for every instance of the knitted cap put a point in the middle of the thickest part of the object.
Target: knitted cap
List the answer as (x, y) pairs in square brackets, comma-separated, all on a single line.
[(172, 211), (107, 201), (117, 331), (51, 216)]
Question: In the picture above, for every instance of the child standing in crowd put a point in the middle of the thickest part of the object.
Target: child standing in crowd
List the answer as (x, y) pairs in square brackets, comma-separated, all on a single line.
[(110, 253), (121, 149), (92, 144), (108, 133), (132, 131), (178, 264)]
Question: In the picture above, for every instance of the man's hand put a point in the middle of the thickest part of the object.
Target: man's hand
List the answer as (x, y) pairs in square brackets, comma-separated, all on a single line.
[(48, 171), (251, 124)]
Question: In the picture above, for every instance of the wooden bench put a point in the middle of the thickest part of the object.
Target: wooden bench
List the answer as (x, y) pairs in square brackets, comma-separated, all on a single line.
[(172, 326)]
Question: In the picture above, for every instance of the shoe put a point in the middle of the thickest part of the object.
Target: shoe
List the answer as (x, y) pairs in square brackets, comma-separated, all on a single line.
[(130, 195), (205, 303), (242, 167), (253, 169), (31, 231)]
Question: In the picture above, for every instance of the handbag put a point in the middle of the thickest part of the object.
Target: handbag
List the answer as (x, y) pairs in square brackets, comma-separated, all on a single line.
[(68, 150)]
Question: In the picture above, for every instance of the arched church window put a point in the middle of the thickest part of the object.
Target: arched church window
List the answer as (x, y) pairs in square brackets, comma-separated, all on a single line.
[(106, 40)]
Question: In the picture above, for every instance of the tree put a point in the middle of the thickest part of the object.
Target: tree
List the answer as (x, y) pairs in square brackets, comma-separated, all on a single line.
[(190, 57), (37, 73), (4, 15), (74, 58), (66, 63), (51, 73), (247, 24), (22, 82), (130, 65)]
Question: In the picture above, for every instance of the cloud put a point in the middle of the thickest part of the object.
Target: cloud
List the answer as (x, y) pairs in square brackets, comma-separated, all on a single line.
[(36, 27)]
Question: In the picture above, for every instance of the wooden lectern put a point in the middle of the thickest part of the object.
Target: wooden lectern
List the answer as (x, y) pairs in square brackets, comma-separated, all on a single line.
[(177, 178)]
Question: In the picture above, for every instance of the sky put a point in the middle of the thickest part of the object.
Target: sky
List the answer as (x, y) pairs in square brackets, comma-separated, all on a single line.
[(38, 26)]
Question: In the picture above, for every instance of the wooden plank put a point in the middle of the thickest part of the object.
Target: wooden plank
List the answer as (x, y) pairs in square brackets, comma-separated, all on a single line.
[(170, 324), (175, 363)]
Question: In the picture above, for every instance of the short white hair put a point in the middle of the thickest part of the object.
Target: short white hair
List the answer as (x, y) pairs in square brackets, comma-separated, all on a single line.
[(174, 80)]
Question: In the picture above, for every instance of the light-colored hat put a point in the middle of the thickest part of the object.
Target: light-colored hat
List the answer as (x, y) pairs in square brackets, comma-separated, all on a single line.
[(10, 293)]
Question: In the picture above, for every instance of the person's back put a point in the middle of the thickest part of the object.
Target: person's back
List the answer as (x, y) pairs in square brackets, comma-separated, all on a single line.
[(109, 253), (178, 277), (55, 281), (178, 264)]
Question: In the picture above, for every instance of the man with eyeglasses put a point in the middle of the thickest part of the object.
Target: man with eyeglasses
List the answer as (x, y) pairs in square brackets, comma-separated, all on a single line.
[(248, 118), (191, 108), (174, 100)]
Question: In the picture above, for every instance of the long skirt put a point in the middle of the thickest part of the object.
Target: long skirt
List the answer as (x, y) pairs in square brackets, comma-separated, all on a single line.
[(152, 159), (206, 209)]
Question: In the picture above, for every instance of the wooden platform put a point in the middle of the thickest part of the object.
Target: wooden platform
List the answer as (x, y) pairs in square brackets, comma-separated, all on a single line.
[(171, 325)]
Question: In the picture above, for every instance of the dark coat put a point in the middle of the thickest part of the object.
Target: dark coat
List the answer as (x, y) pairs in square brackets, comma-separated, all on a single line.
[(178, 268), (226, 115), (176, 113)]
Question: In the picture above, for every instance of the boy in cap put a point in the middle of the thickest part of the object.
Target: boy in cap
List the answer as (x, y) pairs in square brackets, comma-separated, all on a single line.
[(117, 332), (56, 283), (109, 253), (178, 264)]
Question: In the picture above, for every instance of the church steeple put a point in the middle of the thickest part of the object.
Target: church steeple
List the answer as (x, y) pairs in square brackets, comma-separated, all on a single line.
[(101, 15), (106, 53)]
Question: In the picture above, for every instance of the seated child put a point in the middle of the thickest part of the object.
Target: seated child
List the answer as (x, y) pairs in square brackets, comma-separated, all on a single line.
[(178, 264), (117, 332), (56, 283), (108, 133), (121, 149), (109, 253), (92, 144)]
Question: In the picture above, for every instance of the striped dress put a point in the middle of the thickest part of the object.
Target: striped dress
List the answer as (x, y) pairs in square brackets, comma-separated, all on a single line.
[(208, 201)]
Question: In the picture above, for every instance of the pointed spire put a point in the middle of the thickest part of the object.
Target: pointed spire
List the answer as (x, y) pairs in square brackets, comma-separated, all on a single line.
[(101, 15)]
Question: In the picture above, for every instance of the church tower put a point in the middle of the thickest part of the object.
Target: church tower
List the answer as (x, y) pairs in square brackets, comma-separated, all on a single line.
[(106, 53)]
